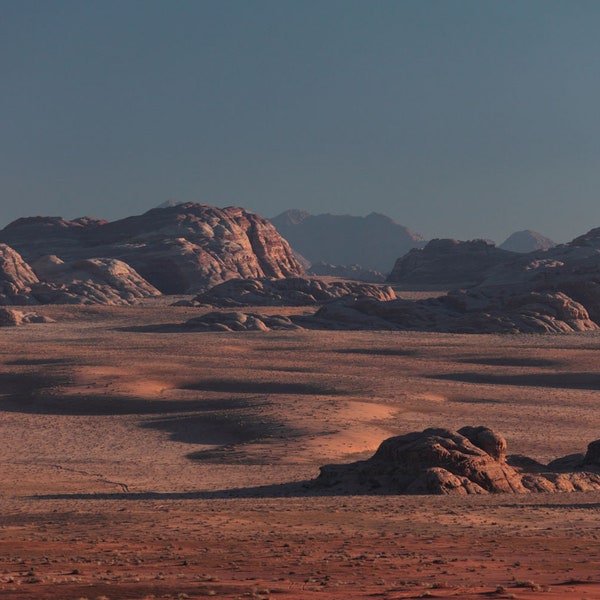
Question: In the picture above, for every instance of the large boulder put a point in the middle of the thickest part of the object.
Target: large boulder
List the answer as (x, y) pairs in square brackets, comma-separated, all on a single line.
[(471, 460), (178, 249), (16, 277)]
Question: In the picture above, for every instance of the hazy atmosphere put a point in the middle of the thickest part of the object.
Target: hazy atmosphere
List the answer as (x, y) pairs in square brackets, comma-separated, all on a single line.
[(458, 118)]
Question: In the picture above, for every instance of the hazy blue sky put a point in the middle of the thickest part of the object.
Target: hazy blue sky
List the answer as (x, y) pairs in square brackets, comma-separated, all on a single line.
[(458, 118)]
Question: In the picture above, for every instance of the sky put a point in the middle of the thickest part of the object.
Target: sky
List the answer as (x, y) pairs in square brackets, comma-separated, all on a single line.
[(457, 118)]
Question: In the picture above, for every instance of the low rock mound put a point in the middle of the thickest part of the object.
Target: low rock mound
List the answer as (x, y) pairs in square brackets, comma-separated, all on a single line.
[(91, 281), (471, 460), (9, 317), (238, 321), (292, 291)]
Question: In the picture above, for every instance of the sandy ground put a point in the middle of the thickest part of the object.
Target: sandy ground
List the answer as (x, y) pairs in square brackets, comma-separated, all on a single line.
[(145, 464)]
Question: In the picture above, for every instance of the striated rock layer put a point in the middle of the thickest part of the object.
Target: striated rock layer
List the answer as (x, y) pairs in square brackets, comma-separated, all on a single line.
[(178, 249), (471, 460)]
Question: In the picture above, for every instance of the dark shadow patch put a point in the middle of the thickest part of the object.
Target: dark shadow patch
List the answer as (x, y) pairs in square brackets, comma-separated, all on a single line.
[(98, 405), (377, 351), (287, 369), (263, 387), (30, 362), (511, 362), (475, 401), (283, 490), (575, 381), (217, 428), (29, 385)]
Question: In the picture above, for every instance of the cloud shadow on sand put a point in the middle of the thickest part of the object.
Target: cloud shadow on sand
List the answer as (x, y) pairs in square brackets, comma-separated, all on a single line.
[(239, 386), (575, 381), (294, 489)]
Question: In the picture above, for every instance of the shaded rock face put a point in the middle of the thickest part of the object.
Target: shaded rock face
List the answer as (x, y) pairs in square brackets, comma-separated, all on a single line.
[(294, 291), (439, 461), (527, 241), (346, 272), (178, 249), (374, 241), (446, 262)]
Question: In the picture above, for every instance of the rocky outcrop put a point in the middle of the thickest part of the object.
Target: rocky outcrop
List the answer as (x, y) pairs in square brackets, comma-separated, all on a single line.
[(449, 263), (178, 249), (527, 241), (10, 317), (238, 321), (374, 241), (356, 272), (16, 277), (92, 281), (471, 460), (472, 311), (51, 281), (293, 291)]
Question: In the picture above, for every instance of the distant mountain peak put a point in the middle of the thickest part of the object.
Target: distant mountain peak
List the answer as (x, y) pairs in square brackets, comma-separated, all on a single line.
[(527, 241)]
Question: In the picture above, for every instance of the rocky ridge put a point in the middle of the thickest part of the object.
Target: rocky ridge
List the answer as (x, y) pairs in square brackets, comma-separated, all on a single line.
[(450, 263), (471, 460), (293, 291), (177, 249), (51, 281)]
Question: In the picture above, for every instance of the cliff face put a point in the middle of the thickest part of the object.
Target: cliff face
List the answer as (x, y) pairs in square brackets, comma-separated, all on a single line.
[(178, 249)]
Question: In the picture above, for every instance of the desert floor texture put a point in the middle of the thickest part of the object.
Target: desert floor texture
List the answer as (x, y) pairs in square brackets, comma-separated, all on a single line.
[(142, 461)]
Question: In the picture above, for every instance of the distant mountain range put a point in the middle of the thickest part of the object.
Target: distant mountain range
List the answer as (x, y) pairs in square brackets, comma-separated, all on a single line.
[(336, 244), (373, 242)]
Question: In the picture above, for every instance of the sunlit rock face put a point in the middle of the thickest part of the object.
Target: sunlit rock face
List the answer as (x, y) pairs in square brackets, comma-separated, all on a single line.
[(178, 249), (471, 460)]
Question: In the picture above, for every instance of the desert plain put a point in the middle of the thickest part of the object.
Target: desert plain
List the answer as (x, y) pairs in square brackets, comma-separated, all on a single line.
[(141, 460)]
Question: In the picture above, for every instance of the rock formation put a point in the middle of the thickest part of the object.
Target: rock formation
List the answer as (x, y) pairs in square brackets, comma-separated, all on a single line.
[(238, 321), (374, 241), (449, 263), (10, 317), (90, 281), (527, 241), (16, 277), (51, 281), (293, 291), (178, 249), (471, 460)]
